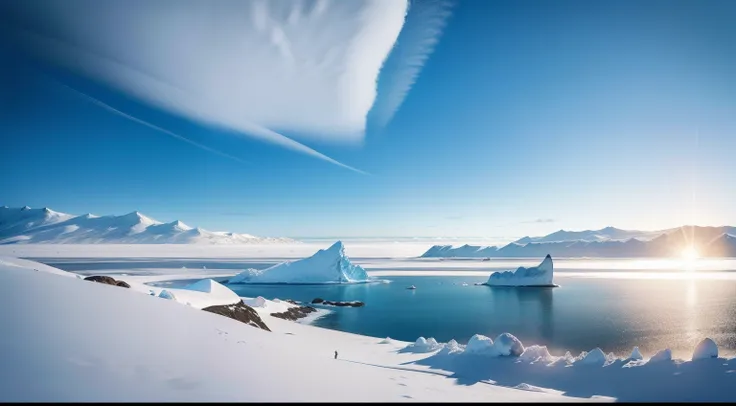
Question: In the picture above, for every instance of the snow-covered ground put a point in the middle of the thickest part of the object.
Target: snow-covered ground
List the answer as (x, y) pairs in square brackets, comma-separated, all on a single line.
[(65, 339), (145, 348)]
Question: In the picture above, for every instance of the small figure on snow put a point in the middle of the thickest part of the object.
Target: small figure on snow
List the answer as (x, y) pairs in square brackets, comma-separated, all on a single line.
[(335, 354)]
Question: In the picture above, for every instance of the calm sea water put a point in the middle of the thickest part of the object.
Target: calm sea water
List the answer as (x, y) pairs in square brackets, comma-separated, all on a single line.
[(611, 313)]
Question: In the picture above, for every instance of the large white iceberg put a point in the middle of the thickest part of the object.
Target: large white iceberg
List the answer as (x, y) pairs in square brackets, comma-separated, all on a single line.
[(540, 275), (705, 349), (325, 266)]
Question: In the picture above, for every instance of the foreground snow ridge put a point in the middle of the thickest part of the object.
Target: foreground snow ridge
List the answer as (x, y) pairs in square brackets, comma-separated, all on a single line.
[(507, 345), (540, 275), (325, 266)]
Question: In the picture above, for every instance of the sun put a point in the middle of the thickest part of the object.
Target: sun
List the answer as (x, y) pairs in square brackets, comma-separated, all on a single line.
[(690, 254)]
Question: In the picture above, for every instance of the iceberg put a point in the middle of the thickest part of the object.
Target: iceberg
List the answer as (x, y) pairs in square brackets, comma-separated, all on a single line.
[(325, 266), (540, 275), (705, 349)]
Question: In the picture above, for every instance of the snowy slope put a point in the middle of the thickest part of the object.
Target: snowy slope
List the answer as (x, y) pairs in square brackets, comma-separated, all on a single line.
[(540, 275), (325, 266), (25, 225), (144, 348)]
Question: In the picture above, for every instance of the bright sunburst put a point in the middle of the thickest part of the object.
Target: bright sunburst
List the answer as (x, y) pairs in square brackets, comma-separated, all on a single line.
[(690, 254)]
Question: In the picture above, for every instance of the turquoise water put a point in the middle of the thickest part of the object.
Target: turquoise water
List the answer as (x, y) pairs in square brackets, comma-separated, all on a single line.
[(614, 314)]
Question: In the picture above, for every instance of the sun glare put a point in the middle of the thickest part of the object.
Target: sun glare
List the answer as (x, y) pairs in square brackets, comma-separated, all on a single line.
[(690, 254)]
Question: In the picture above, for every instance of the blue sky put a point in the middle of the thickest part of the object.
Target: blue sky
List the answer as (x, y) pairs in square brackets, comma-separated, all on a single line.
[(529, 117)]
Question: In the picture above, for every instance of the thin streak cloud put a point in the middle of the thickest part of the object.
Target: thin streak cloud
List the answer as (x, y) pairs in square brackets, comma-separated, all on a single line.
[(424, 24), (149, 125)]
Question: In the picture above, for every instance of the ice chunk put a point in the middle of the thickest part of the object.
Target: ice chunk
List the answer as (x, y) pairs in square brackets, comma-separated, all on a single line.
[(260, 301), (635, 354), (705, 349), (540, 275), (165, 294), (325, 266), (424, 345), (507, 344), (218, 293), (451, 347), (386, 340), (536, 353), (664, 355), (594, 357), (480, 344)]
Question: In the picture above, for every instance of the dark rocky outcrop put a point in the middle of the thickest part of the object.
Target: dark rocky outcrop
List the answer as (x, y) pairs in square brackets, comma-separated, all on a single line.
[(240, 312), (106, 280), (354, 303), (294, 302), (295, 313)]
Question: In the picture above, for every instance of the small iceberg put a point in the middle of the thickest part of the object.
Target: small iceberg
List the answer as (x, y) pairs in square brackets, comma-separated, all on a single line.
[(412, 287), (538, 276)]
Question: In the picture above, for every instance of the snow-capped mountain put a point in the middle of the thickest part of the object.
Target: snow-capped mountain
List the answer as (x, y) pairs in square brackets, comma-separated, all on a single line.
[(45, 226), (609, 242), (604, 234)]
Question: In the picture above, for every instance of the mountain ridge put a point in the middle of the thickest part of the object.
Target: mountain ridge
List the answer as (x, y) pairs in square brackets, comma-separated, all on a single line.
[(45, 226)]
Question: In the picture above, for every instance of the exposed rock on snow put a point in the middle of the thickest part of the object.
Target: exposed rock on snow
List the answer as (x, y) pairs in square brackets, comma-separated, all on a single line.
[(295, 313), (240, 312), (107, 280), (540, 275), (354, 303), (325, 266), (705, 349)]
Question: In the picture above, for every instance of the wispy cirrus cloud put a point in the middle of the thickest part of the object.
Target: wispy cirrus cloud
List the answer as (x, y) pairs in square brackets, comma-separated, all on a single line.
[(539, 221), (258, 68), (421, 32)]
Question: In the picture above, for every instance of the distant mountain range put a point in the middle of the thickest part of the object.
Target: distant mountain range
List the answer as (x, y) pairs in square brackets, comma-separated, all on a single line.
[(608, 242), (33, 226)]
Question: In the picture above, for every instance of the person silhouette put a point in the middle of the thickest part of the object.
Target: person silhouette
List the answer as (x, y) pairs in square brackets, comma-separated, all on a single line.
[(335, 354)]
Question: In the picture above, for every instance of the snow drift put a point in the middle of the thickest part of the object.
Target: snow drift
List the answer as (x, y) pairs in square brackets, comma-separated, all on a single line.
[(45, 226), (540, 275), (325, 266)]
